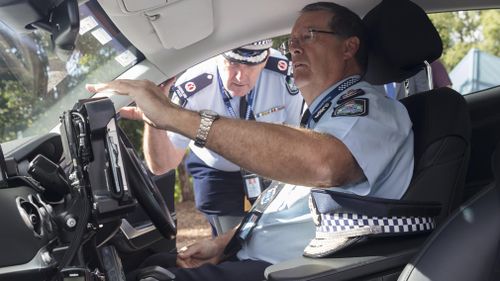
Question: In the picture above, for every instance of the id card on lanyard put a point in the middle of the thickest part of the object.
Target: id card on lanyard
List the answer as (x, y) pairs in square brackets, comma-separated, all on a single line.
[(250, 220), (252, 182)]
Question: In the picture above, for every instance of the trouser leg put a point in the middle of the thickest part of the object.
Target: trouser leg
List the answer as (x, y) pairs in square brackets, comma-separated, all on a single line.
[(247, 270)]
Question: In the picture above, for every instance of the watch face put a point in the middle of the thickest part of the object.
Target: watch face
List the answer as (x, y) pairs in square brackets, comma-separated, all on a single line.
[(209, 113)]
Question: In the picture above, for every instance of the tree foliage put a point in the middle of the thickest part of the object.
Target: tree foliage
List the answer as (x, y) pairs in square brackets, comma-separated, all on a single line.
[(464, 30)]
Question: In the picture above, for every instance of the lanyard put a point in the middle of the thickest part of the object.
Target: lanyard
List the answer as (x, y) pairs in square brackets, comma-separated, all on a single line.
[(308, 116), (250, 220), (246, 114)]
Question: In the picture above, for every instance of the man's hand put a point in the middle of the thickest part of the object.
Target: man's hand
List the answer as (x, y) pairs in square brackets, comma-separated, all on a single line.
[(151, 100), (133, 113), (199, 253)]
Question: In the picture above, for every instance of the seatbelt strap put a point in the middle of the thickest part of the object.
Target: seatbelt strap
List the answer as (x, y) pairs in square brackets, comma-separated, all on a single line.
[(251, 219)]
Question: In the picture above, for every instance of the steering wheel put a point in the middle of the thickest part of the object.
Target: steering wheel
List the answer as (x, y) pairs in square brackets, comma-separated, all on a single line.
[(145, 190)]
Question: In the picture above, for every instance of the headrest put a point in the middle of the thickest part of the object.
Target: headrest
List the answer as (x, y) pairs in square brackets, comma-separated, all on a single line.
[(401, 37), (253, 53)]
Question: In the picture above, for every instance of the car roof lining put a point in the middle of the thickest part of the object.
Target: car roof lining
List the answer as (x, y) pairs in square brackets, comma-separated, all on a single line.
[(258, 20)]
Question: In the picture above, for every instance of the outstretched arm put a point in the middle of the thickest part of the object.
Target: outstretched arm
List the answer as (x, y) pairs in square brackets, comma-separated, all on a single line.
[(160, 153), (292, 155)]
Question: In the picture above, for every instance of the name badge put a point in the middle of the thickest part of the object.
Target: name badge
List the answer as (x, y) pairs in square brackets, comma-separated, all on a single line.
[(253, 185), (248, 225)]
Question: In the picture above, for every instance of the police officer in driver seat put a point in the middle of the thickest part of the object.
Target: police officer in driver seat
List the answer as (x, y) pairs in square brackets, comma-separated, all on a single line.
[(252, 82)]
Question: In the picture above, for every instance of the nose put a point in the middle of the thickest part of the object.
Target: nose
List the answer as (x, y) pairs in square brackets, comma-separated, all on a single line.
[(294, 46), (238, 74)]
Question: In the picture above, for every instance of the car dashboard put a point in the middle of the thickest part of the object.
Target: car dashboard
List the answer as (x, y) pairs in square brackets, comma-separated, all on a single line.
[(64, 196)]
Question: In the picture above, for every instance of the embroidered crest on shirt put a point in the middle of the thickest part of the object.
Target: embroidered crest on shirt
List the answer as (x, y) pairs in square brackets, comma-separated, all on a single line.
[(353, 107), (290, 85), (185, 90), (350, 95)]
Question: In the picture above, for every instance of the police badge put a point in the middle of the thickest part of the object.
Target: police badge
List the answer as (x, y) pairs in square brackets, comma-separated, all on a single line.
[(290, 85)]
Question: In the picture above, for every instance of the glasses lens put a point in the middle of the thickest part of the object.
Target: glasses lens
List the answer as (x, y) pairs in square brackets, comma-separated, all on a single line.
[(308, 37), (284, 47)]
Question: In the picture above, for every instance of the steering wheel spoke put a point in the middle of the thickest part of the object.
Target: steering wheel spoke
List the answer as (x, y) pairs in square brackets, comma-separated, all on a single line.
[(146, 191)]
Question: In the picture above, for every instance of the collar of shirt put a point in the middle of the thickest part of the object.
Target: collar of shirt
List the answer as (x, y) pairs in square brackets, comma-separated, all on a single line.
[(319, 98)]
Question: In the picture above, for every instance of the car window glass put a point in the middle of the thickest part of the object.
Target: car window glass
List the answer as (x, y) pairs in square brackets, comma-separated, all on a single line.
[(471, 48), (36, 86)]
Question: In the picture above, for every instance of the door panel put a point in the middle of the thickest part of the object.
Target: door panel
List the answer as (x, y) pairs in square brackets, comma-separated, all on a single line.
[(484, 109)]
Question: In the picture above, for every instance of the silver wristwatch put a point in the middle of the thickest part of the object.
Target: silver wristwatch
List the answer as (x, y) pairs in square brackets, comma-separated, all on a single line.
[(207, 118)]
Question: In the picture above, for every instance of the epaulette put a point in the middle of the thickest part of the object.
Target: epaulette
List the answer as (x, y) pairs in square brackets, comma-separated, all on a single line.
[(279, 65), (282, 66), (182, 92)]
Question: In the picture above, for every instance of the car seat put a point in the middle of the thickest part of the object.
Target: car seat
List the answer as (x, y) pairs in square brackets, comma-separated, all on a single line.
[(466, 246), (402, 38)]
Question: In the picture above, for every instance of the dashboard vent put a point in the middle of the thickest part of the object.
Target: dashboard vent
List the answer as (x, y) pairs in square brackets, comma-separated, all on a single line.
[(31, 216)]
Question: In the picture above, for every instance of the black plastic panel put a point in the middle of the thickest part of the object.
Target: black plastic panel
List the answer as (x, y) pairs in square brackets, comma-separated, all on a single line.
[(18, 243), (376, 258)]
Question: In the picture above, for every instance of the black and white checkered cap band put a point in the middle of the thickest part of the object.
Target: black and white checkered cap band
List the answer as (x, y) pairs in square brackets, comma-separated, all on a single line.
[(339, 222)]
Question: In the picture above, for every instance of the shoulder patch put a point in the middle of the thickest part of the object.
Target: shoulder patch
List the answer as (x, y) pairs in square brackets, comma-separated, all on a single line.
[(353, 107), (350, 95), (185, 90), (321, 111)]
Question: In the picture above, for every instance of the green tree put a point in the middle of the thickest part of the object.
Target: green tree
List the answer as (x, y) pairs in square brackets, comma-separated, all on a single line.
[(490, 20), (464, 30)]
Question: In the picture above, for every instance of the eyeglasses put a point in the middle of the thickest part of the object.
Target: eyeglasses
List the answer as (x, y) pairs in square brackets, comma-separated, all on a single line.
[(306, 37)]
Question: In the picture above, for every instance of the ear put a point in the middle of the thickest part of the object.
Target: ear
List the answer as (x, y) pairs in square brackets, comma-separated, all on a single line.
[(351, 46)]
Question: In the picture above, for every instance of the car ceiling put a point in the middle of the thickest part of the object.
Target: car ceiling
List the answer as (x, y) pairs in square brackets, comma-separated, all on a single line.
[(176, 34)]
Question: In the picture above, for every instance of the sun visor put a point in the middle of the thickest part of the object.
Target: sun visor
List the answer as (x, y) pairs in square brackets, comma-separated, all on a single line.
[(134, 6), (177, 23)]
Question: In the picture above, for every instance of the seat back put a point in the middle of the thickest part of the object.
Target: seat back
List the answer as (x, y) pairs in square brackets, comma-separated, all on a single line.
[(441, 127), (466, 246), (441, 124)]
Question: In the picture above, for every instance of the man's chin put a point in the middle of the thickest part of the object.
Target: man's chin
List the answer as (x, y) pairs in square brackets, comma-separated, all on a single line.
[(238, 93), (300, 81)]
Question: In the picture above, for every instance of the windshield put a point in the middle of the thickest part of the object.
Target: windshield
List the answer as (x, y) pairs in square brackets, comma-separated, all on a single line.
[(36, 86)]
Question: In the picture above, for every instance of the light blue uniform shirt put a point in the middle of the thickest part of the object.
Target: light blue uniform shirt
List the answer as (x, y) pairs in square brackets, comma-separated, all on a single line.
[(272, 103), (382, 144)]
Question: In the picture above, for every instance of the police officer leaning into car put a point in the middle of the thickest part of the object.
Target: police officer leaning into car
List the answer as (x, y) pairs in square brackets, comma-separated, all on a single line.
[(252, 82), (355, 140)]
